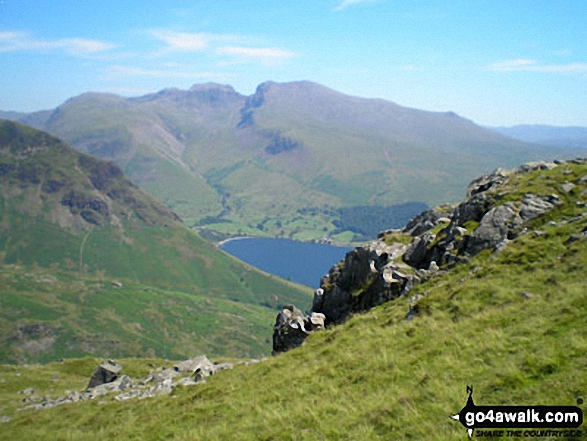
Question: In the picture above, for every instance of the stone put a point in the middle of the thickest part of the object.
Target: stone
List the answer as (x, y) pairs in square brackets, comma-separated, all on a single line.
[(289, 331), (186, 381), (318, 321), (222, 366), (576, 237), (533, 206), (460, 231), (568, 187), (107, 372), (501, 246), (493, 229), (471, 210), (5, 419), (417, 252), (193, 364), (485, 182), (425, 221)]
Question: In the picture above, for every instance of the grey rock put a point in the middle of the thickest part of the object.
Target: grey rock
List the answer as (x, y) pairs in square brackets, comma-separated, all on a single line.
[(368, 276), (501, 246), (186, 381), (318, 321), (486, 182), (425, 221), (471, 210), (107, 372), (193, 364), (5, 419), (568, 187), (27, 391), (533, 166), (460, 230), (290, 329), (417, 252), (163, 375), (533, 206), (576, 237), (492, 230)]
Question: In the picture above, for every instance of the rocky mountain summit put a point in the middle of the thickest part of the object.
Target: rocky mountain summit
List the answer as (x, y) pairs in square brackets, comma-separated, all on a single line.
[(495, 213)]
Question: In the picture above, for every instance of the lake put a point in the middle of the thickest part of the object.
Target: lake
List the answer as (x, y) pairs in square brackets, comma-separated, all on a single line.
[(299, 262)]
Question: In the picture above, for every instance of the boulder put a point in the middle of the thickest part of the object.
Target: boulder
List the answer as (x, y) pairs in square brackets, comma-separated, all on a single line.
[(486, 182), (193, 364), (417, 252), (533, 206), (292, 327), (426, 221), (107, 372), (289, 331), (493, 229)]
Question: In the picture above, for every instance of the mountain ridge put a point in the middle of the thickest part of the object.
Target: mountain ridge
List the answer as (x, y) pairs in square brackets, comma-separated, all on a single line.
[(561, 136), (209, 152)]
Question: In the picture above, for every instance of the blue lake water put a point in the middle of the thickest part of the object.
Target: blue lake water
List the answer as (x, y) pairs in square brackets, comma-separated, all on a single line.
[(299, 262)]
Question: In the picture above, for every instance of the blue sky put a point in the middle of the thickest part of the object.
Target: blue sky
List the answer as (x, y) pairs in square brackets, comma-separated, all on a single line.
[(495, 62)]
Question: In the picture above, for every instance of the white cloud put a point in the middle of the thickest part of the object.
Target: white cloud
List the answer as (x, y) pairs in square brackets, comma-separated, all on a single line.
[(346, 3), (528, 65), (190, 41), (181, 41), (11, 41), (234, 47)]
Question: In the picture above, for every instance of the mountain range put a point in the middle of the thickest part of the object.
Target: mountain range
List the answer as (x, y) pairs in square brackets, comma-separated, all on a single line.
[(287, 160), (567, 137)]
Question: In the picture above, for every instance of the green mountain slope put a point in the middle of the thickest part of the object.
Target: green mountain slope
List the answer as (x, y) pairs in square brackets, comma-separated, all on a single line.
[(284, 160), (70, 212), (510, 323)]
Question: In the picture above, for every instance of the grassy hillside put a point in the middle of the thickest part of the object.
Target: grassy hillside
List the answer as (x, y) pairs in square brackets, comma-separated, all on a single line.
[(46, 315), (512, 324), (68, 217), (285, 160)]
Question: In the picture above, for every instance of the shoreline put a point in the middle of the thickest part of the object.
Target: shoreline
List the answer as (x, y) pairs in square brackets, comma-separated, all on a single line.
[(230, 239)]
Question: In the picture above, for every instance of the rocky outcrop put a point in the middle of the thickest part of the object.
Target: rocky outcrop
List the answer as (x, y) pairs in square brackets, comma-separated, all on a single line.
[(292, 327), (387, 268), (108, 381), (368, 276), (107, 372)]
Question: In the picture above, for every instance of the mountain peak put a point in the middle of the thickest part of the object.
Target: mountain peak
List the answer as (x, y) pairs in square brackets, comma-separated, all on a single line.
[(205, 87)]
